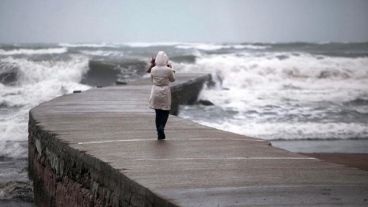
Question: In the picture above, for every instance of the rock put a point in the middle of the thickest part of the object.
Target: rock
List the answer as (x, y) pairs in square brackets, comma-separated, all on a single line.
[(120, 82), (8, 77), (106, 72), (186, 93), (16, 190), (184, 59), (205, 102)]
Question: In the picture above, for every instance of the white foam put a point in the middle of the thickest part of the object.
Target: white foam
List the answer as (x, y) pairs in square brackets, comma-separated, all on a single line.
[(149, 44), (37, 82), (292, 131), (200, 46), (211, 47), (103, 53), (13, 149), (294, 84), (33, 51), (253, 47), (91, 45)]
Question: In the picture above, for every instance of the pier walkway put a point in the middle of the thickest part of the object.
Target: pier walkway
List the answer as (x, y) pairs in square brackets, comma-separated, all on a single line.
[(99, 148)]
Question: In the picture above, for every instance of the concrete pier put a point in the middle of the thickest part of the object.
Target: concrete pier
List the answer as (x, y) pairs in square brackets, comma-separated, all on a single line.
[(99, 148)]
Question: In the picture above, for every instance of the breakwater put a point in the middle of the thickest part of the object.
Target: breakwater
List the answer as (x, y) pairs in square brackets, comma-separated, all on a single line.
[(65, 176), (99, 148)]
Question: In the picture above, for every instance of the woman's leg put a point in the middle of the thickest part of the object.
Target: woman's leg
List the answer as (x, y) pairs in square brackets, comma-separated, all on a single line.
[(159, 124), (165, 116), (157, 120)]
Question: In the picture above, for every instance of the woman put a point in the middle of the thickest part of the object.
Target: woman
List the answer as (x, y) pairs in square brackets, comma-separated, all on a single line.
[(160, 100)]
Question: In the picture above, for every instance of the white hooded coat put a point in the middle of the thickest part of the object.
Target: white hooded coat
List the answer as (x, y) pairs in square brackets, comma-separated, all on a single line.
[(161, 76)]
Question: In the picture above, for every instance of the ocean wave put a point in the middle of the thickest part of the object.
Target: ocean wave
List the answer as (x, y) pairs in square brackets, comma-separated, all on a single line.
[(149, 44), (212, 47), (184, 58), (8, 72), (255, 47), (311, 97), (106, 72), (358, 101), (292, 130), (103, 53), (13, 149), (5, 105), (37, 82), (202, 46), (30, 72), (88, 45), (290, 66), (33, 51)]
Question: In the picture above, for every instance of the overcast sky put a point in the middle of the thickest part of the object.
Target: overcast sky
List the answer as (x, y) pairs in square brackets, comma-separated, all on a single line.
[(183, 20)]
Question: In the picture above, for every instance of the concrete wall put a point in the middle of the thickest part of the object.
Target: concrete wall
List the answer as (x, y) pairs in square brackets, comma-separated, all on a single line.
[(64, 176), (187, 93)]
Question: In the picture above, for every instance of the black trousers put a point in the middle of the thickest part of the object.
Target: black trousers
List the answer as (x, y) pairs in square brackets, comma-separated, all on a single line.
[(161, 119)]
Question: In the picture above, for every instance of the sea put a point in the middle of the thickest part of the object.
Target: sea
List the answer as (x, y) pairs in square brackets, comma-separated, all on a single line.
[(299, 96)]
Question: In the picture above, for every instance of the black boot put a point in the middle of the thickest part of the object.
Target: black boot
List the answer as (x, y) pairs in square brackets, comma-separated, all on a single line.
[(161, 134)]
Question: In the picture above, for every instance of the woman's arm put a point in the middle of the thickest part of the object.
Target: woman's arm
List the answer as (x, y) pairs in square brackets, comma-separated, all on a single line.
[(152, 64), (171, 75)]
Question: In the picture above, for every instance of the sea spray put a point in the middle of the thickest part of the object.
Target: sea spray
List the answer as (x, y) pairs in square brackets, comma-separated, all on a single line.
[(37, 81), (38, 75), (281, 95)]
